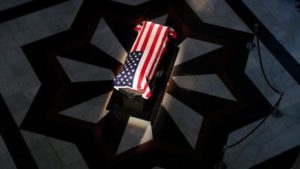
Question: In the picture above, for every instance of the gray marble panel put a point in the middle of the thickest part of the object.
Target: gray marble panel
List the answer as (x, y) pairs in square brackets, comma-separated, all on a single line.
[(11, 3), (79, 71), (208, 84), (91, 111), (217, 13), (137, 132), (49, 161), (39, 145), (276, 74), (187, 120), (8, 82), (77, 165), (6, 161), (161, 20), (105, 39), (18, 105), (192, 48), (60, 17), (69, 155), (58, 144), (3, 148), (274, 136)]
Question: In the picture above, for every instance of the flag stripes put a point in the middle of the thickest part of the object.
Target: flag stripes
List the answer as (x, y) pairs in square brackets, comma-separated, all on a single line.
[(151, 42)]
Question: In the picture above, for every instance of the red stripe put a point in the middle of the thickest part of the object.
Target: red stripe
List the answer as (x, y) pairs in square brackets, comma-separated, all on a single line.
[(148, 95), (146, 63), (139, 37), (144, 91), (145, 42), (163, 52), (158, 53)]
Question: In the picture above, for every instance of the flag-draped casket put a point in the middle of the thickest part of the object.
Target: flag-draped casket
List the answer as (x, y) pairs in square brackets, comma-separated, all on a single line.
[(141, 63)]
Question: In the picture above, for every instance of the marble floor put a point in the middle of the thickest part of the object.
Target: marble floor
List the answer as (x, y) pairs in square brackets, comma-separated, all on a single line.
[(58, 59)]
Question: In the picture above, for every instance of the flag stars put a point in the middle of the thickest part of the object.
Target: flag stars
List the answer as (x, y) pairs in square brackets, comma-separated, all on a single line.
[(126, 76)]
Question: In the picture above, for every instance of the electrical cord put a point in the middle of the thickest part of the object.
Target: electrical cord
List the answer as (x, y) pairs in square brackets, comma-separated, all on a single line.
[(274, 108)]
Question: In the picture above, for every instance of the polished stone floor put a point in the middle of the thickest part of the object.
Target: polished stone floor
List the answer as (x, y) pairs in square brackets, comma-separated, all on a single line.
[(57, 61)]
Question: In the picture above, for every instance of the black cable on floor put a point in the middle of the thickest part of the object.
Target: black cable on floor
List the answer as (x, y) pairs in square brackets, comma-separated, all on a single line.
[(274, 108)]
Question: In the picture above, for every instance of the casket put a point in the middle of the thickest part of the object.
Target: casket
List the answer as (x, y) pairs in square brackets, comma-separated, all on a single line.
[(140, 70)]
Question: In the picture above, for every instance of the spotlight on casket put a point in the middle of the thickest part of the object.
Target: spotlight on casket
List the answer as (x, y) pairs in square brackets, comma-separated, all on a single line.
[(140, 85)]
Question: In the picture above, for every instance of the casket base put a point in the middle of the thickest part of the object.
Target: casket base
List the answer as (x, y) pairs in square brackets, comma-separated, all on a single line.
[(134, 105)]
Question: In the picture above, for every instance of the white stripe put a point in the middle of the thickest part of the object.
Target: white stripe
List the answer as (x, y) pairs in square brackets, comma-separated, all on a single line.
[(146, 52), (144, 56), (145, 93), (156, 63), (155, 52), (143, 37), (139, 34)]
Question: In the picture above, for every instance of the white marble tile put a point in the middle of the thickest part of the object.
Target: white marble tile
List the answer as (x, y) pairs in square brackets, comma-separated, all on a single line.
[(79, 71), (131, 2), (209, 84), (137, 132), (91, 111), (192, 48), (188, 121), (105, 39)]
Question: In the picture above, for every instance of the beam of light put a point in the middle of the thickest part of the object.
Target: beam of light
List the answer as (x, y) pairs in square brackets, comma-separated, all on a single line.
[(137, 132)]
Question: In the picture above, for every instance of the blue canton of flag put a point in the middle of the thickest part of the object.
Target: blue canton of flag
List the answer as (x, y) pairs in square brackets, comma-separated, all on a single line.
[(126, 77)]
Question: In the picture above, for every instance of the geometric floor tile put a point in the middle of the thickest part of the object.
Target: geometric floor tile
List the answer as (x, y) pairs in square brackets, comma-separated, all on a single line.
[(9, 4), (187, 120), (136, 133), (217, 13), (273, 137), (76, 108), (106, 40), (208, 84), (90, 111), (6, 161), (160, 20), (191, 48), (53, 153), (78, 71)]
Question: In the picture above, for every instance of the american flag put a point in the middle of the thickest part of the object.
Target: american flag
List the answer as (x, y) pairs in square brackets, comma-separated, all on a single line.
[(145, 54)]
